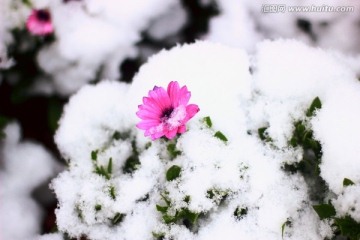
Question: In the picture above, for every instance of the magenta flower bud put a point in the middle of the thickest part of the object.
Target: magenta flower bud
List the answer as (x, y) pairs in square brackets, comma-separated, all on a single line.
[(39, 22)]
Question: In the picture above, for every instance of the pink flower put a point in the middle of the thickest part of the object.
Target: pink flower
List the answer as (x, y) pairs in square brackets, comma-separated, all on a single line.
[(166, 112), (39, 22)]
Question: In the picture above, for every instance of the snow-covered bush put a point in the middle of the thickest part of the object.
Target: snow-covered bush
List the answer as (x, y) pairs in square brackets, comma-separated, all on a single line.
[(243, 23), (24, 166), (84, 40), (272, 153)]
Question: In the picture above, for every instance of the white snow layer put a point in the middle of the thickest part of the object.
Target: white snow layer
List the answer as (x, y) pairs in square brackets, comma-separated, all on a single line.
[(285, 77), (94, 37), (24, 166), (243, 23)]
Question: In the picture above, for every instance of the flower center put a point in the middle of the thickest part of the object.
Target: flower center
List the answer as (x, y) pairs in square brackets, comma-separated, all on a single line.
[(43, 15), (167, 113)]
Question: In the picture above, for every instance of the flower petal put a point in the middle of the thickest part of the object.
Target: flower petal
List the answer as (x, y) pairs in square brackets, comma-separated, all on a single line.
[(191, 110), (161, 98), (181, 129), (173, 91), (184, 96), (147, 124), (171, 134), (146, 114)]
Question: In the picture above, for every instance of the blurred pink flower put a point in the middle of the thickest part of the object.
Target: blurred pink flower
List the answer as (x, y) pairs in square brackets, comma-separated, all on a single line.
[(39, 22), (165, 113)]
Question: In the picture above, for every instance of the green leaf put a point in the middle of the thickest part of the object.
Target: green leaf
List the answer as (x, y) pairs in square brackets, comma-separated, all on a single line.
[(131, 164), (169, 219), (218, 196), (118, 135), (263, 135), (261, 132), (162, 209), (316, 104), (207, 121), (102, 172), (220, 136), (287, 223), (27, 3), (94, 155), (98, 207), (173, 152), (348, 227), (159, 235), (173, 173), (347, 182), (239, 213), (325, 211), (117, 218), (112, 192), (166, 199), (148, 145), (109, 168), (189, 215)]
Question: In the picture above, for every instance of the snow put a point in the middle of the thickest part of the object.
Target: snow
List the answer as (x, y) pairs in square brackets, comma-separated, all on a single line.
[(94, 37), (248, 171), (244, 23), (25, 165)]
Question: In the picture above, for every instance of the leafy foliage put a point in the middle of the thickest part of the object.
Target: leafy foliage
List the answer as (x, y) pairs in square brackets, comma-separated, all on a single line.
[(173, 173), (133, 162), (220, 136)]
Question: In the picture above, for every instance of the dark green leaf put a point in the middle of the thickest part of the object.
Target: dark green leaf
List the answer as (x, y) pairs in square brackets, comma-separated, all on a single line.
[(162, 209), (102, 172), (287, 223), (117, 218), (239, 212), (109, 168), (325, 211), (148, 145), (131, 164), (79, 212), (348, 227), (189, 215), (166, 199), (187, 199), (347, 182), (173, 173), (261, 132), (207, 121), (112, 192), (159, 235), (169, 219), (263, 135), (220, 136), (316, 104), (27, 3), (173, 152), (98, 207), (123, 136), (94, 155)]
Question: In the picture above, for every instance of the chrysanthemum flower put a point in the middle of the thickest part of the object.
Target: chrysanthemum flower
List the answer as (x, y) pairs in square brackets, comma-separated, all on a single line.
[(165, 113), (39, 22)]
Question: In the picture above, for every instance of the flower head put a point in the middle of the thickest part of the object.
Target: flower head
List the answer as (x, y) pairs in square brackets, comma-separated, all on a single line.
[(165, 113), (39, 22)]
